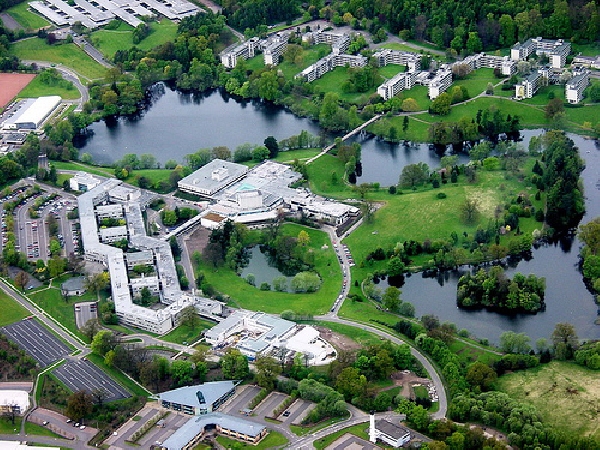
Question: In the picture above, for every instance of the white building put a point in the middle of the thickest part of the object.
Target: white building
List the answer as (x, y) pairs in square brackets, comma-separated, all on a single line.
[(388, 432), (591, 62), (575, 86), (339, 41), (388, 56), (399, 82), (32, 113), (503, 63), (529, 86), (274, 50), (440, 83), (83, 182), (163, 281), (245, 50), (257, 334), (13, 401), (330, 62), (114, 211), (555, 50), (212, 177)]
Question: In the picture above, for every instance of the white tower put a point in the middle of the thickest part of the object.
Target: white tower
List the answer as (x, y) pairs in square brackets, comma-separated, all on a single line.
[(372, 436)]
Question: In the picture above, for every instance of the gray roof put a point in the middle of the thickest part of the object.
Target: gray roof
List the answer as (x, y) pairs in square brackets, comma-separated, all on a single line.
[(194, 427), (212, 391), (73, 284), (391, 429), (214, 176)]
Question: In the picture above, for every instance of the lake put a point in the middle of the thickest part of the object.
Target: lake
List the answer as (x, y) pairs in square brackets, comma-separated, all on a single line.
[(176, 124)]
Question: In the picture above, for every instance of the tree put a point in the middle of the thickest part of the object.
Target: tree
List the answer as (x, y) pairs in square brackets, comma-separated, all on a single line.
[(182, 372), (79, 405), (414, 175), (189, 316), (267, 370), (391, 298), (480, 375), (273, 146), (97, 282), (469, 211), (441, 104), (554, 107), (303, 238), (103, 342), (409, 105), (234, 365), (511, 342), (565, 333), (90, 329), (350, 383), (395, 267), (21, 279)]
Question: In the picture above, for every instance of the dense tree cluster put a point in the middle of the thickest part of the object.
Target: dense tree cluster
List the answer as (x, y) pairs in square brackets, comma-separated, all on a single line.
[(589, 234), (522, 422), (565, 204), (494, 290), (243, 14)]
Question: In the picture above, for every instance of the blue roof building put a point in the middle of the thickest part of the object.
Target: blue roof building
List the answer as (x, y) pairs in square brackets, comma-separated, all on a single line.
[(199, 399)]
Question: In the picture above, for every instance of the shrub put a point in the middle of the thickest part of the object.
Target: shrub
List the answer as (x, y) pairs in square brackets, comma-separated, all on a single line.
[(441, 195)]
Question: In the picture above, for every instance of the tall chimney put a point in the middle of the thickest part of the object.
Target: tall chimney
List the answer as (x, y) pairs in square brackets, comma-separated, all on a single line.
[(372, 436)]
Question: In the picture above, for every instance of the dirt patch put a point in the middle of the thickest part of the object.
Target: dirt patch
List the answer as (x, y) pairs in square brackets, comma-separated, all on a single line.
[(407, 381), (197, 240), (339, 341), (11, 84)]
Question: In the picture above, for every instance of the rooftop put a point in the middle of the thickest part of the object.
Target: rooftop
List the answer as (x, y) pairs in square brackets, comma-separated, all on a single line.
[(214, 176), (188, 395)]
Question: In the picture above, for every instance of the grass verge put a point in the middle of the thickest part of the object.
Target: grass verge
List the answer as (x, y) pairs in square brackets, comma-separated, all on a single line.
[(27, 18), (38, 89), (12, 311), (185, 333)]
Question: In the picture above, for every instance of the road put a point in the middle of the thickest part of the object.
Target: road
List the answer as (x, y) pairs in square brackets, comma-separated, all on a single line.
[(69, 75), (92, 51)]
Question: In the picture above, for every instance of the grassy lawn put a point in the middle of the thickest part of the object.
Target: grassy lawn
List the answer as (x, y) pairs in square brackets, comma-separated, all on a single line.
[(37, 89), (565, 394), (390, 70), (12, 311), (302, 154), (185, 333), (249, 297), (154, 175), (119, 376), (476, 82), (359, 430), (469, 353), (52, 302), (365, 311), (109, 41), (7, 427), (27, 18), (333, 81), (542, 96), (69, 165), (359, 335), (69, 55), (309, 56), (398, 46), (272, 440)]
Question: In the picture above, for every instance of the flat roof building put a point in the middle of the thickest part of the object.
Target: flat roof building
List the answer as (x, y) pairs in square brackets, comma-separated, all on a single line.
[(388, 432), (199, 399), (83, 181), (32, 113), (212, 177), (192, 431), (575, 86), (14, 401)]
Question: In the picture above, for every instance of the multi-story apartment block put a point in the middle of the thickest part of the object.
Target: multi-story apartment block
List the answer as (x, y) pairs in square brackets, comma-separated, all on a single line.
[(529, 86), (576, 85), (556, 50), (330, 62), (387, 56), (503, 63), (339, 42), (400, 82), (245, 50), (274, 50), (440, 83)]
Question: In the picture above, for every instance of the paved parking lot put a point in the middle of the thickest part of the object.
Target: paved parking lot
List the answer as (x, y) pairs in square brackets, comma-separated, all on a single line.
[(298, 410), (273, 400), (241, 400), (173, 422), (37, 341), (58, 424), (80, 375), (350, 441)]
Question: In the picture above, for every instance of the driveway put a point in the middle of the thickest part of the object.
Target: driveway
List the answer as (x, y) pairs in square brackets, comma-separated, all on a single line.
[(58, 424)]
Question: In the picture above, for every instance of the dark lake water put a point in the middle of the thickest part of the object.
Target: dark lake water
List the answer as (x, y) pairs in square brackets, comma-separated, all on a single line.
[(177, 124), (259, 266)]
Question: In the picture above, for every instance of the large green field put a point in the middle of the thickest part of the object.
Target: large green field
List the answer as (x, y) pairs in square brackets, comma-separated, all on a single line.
[(69, 55), (12, 311), (246, 296), (27, 18), (185, 334), (565, 394), (272, 440), (109, 41), (38, 89)]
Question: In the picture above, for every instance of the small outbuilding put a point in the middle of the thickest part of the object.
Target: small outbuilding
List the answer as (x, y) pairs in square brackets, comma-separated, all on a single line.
[(73, 286)]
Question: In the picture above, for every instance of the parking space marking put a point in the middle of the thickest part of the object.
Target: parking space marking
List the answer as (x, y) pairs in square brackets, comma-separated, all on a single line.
[(37, 341), (84, 375)]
